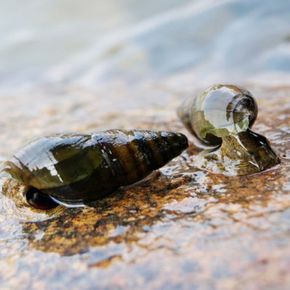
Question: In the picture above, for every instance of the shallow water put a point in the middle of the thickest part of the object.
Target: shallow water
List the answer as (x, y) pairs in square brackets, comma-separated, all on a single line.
[(67, 66), (91, 42)]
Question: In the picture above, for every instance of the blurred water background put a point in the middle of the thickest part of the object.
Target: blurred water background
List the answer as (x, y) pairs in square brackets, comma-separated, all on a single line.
[(91, 42)]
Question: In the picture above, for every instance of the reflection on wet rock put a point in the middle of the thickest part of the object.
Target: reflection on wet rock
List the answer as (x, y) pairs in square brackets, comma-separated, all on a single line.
[(182, 225)]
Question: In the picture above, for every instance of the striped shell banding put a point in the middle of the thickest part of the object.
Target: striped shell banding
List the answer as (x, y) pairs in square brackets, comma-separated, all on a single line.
[(76, 168)]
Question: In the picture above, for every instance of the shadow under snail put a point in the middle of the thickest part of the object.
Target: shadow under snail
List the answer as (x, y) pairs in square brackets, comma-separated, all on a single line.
[(75, 169), (221, 118)]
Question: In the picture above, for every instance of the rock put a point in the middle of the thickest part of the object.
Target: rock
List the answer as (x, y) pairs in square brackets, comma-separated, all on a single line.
[(180, 229)]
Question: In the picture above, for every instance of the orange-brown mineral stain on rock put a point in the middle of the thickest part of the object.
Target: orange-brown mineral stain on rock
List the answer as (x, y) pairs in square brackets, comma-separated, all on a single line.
[(181, 228)]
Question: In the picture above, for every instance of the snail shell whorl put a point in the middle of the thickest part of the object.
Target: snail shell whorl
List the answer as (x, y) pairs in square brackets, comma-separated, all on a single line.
[(222, 117), (219, 111), (77, 168)]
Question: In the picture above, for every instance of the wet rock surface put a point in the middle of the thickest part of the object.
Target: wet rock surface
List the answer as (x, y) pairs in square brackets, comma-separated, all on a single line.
[(181, 228)]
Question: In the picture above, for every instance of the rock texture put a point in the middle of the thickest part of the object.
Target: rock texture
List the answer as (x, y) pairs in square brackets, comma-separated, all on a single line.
[(181, 228)]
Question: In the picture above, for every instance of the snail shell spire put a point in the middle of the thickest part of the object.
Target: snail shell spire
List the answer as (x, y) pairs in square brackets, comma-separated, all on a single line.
[(77, 168)]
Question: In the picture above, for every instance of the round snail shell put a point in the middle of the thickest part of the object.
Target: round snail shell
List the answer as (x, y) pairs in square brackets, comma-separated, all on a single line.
[(77, 168), (219, 111)]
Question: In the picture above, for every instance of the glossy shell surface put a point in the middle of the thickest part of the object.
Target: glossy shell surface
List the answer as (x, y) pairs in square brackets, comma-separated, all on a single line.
[(222, 117), (219, 111), (77, 168)]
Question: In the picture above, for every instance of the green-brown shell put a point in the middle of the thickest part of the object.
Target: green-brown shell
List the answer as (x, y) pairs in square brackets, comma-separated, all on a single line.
[(79, 168), (222, 117), (219, 111)]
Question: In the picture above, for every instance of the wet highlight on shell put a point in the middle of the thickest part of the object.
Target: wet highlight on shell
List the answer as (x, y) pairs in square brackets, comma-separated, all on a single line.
[(221, 118), (75, 169)]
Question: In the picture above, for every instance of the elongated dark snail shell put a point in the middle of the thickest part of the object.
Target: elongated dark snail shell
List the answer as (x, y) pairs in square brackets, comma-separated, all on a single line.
[(79, 168), (221, 117)]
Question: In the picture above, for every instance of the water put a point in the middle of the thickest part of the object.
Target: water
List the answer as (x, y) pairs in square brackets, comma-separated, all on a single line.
[(91, 42)]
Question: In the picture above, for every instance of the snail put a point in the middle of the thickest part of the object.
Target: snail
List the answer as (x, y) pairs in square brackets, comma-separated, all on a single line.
[(73, 169), (221, 118)]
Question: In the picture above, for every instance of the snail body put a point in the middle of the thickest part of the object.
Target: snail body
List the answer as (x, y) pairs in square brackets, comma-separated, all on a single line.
[(221, 117), (77, 168)]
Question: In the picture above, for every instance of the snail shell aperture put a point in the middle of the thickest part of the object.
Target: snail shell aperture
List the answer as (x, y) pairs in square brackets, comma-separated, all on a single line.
[(77, 168), (221, 117)]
